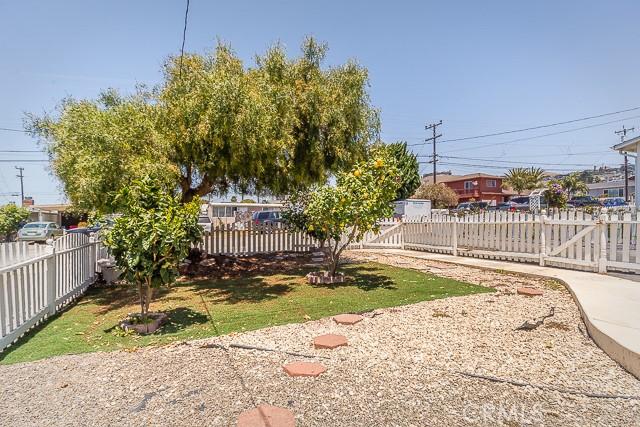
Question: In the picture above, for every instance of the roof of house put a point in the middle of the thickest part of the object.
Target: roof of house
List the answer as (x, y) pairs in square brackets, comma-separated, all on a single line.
[(450, 178), (628, 145), (610, 184)]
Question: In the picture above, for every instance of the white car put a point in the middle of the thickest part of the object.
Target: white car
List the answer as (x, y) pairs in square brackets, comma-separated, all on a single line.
[(39, 232)]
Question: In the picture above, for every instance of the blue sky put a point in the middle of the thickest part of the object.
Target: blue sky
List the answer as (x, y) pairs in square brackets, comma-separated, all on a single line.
[(481, 67)]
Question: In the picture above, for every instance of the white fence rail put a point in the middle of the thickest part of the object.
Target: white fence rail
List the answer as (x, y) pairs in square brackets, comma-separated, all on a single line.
[(43, 281), (11, 253), (247, 239), (571, 239)]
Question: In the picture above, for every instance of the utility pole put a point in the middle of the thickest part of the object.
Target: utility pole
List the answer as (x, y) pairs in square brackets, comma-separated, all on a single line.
[(21, 176), (433, 127), (623, 134)]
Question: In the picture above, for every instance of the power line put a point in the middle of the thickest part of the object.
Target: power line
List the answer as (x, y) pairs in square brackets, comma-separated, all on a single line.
[(544, 135), (474, 165), (14, 130), (541, 126), (515, 162), (20, 151), (184, 36), (22, 160)]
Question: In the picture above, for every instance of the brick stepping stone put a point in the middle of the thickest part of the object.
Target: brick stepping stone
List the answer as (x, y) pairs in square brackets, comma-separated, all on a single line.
[(329, 341), (530, 292), (347, 319), (267, 416), (304, 369)]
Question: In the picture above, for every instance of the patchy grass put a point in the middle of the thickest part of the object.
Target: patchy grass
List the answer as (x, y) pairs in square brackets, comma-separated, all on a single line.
[(200, 309)]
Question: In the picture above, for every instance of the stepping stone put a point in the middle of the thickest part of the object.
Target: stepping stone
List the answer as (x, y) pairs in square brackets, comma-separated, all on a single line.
[(329, 341), (304, 369), (529, 292), (347, 319), (267, 416)]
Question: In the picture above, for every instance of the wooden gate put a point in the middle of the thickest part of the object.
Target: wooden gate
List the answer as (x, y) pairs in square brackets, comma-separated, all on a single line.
[(572, 241)]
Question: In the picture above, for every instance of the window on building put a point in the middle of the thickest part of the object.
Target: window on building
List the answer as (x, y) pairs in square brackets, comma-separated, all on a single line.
[(492, 183), (614, 192), (468, 185)]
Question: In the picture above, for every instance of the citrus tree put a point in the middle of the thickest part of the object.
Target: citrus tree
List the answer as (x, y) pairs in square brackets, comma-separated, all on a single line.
[(153, 235), (345, 212), (10, 218)]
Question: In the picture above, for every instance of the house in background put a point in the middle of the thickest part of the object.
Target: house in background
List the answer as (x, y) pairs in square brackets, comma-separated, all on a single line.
[(612, 188), (476, 187)]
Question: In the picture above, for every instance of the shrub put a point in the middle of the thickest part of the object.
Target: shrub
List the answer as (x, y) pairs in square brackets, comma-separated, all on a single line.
[(440, 195), (11, 216), (556, 195)]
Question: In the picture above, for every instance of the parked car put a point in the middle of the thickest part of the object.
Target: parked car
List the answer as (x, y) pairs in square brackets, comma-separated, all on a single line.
[(267, 217), (506, 206), (205, 222), (612, 202), (520, 203), (93, 229), (582, 201), (39, 232), (471, 206)]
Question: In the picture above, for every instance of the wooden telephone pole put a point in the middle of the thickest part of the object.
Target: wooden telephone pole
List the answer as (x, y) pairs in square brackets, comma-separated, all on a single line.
[(433, 127), (623, 134)]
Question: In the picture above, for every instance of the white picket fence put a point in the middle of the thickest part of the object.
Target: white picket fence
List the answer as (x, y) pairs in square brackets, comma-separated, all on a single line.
[(43, 280), (247, 238), (571, 239), (13, 252)]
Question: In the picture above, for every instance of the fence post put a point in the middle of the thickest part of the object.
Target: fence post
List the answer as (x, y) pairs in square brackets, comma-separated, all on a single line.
[(92, 255), (543, 238), (51, 279), (454, 236), (602, 224)]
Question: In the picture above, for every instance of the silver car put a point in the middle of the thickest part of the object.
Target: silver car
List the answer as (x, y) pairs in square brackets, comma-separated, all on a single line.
[(39, 232)]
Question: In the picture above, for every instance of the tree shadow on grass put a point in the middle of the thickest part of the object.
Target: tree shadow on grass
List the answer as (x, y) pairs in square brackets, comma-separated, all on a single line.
[(178, 319), (119, 296), (363, 278), (181, 318), (233, 291)]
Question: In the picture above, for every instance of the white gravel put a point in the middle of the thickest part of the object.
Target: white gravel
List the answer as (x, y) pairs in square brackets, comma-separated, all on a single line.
[(401, 368)]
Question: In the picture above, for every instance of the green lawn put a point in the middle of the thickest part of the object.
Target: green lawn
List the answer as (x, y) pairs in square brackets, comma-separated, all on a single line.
[(209, 308)]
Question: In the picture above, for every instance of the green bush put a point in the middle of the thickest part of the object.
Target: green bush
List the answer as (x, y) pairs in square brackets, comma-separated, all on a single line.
[(10, 218)]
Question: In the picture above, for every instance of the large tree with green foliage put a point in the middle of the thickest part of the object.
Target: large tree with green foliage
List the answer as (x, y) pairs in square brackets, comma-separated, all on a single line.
[(153, 235), (408, 168), (520, 179), (213, 123), (344, 212), (10, 218), (440, 195)]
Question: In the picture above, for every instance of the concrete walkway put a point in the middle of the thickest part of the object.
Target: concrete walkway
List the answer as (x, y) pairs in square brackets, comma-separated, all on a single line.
[(610, 305)]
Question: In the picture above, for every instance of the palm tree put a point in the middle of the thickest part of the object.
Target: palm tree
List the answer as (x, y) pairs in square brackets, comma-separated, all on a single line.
[(574, 185), (521, 179)]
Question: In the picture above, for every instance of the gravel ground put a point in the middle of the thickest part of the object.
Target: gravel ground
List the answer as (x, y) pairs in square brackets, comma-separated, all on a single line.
[(402, 368)]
